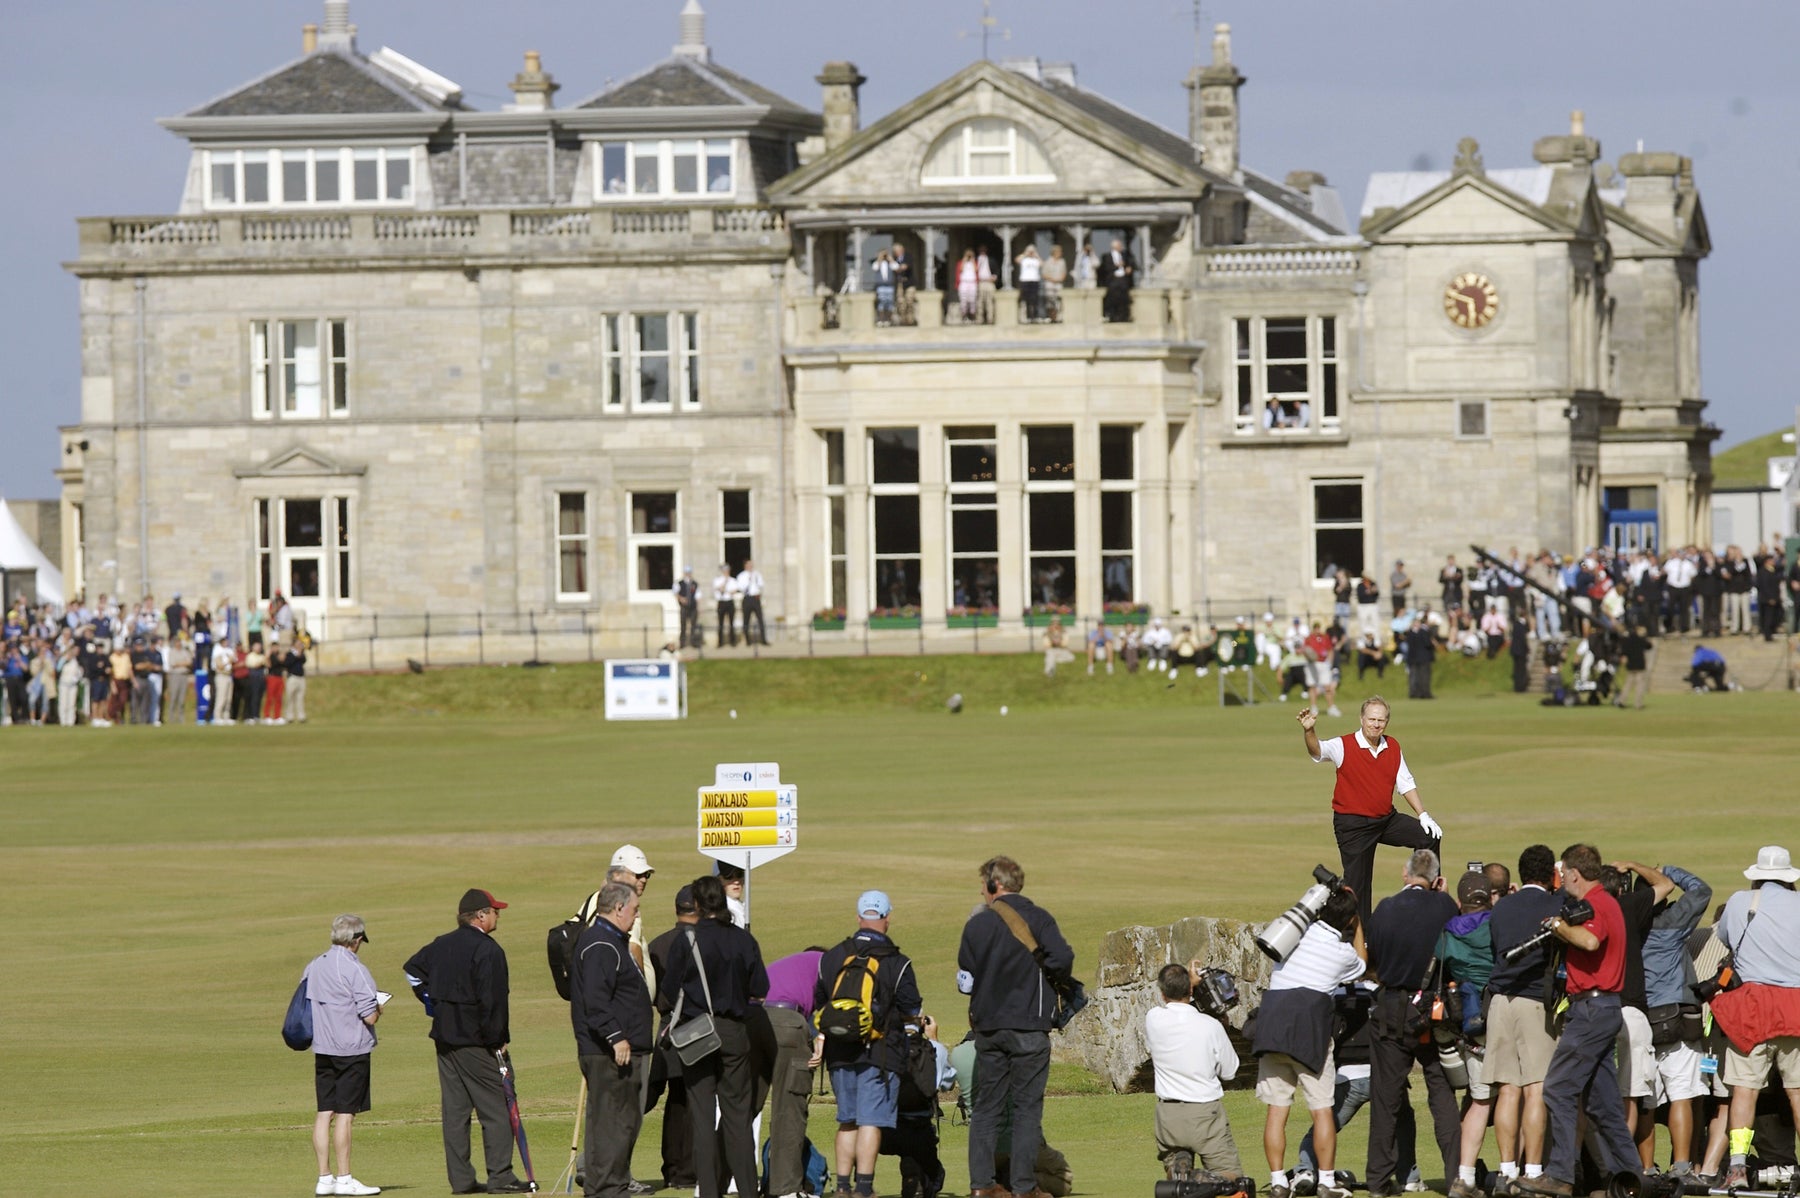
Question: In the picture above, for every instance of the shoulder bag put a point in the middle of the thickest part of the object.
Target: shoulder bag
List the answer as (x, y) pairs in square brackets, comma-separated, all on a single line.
[(1071, 995), (698, 1038), (1727, 977), (297, 1025)]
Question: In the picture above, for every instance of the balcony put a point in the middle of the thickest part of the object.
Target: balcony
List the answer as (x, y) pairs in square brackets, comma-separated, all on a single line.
[(110, 242), (846, 325), (1259, 266)]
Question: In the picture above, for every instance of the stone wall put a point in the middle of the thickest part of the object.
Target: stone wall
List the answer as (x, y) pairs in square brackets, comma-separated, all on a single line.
[(1108, 1037)]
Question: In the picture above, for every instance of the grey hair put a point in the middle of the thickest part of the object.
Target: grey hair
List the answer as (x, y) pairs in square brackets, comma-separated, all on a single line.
[(615, 896), (1423, 865), (621, 874), (345, 929)]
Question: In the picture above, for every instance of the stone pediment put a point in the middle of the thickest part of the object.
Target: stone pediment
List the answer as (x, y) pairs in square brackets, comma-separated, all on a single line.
[(300, 462), (1469, 206), (1091, 147)]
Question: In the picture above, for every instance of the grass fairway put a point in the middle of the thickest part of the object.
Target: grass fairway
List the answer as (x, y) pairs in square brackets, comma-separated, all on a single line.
[(166, 887)]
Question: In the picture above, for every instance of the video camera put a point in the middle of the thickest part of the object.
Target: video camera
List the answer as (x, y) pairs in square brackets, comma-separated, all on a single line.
[(1282, 935), (1215, 991), (1576, 911), (1207, 1185)]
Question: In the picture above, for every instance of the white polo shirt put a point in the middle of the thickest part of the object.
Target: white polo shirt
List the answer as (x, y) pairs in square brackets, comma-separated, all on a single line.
[(1190, 1051)]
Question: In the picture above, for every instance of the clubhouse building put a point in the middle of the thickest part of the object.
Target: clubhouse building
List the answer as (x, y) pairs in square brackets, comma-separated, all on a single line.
[(389, 354)]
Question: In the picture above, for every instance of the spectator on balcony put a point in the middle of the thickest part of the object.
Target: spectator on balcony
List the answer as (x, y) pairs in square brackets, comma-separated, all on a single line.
[(1056, 272), (1031, 282), (1087, 265), (984, 286), (1116, 273), (886, 280), (968, 285), (903, 284)]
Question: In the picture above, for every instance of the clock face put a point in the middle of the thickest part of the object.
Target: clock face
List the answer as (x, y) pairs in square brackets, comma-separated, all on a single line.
[(1471, 300)]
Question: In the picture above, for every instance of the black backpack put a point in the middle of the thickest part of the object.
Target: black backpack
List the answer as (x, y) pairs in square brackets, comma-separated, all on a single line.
[(852, 1018), (561, 948), (918, 1077)]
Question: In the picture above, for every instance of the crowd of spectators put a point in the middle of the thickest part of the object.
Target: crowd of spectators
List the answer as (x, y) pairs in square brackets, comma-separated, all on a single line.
[(111, 662)]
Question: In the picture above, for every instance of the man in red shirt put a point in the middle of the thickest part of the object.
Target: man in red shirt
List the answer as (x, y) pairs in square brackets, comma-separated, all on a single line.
[(1582, 1072), (1370, 768), (1321, 679)]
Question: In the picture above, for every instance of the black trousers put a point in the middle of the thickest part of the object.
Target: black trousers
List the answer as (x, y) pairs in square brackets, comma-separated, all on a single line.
[(690, 626), (914, 1139), (1418, 680), (1768, 615), (727, 630), (615, 1114), (469, 1080), (1013, 1067), (1391, 1058), (753, 610), (1115, 306), (724, 1078), (1521, 673), (1582, 1076), (1358, 837), (1681, 608), (1711, 608), (678, 1127)]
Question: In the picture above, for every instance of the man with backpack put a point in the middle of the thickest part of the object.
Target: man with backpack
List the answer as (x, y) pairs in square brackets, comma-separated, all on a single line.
[(865, 994), (1016, 956)]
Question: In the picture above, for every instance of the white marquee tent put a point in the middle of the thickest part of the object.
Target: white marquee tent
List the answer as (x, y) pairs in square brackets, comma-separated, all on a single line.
[(19, 553)]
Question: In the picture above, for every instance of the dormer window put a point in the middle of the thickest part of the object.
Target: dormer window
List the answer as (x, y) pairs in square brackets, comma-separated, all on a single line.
[(327, 176), (653, 169), (987, 150)]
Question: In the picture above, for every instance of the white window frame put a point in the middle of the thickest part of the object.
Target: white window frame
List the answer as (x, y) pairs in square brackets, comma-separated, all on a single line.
[(269, 391), (964, 176), (1323, 399), (1034, 487), (343, 543), (1487, 413), (635, 541), (884, 490), (336, 549), (278, 158), (1121, 486), (581, 540), (1313, 524), (747, 532), (621, 341), (663, 152), (835, 555), (987, 495)]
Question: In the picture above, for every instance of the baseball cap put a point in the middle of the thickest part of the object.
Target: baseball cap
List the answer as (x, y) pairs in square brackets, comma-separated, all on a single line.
[(684, 900), (476, 900), (874, 903), (632, 858)]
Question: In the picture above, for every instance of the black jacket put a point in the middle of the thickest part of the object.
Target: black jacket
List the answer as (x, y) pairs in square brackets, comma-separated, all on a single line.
[(608, 998), (734, 971), (1107, 275), (462, 975), (1011, 993), (896, 995), (1298, 1023)]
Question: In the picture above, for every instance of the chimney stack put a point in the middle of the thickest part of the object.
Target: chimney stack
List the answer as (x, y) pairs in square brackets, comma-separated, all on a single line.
[(693, 33), (337, 33), (309, 38), (531, 87), (841, 81), (1653, 185), (1213, 106), (1573, 147)]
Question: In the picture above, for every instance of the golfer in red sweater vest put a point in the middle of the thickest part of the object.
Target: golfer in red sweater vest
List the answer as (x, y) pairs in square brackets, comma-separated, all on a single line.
[(1370, 768)]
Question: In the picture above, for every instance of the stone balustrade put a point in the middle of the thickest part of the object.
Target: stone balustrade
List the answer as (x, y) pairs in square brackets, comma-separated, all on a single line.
[(563, 231), (1261, 265), (1156, 314)]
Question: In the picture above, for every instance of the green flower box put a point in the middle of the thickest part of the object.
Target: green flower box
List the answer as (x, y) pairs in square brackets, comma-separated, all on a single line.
[(828, 624), (878, 623), (1036, 619), (973, 620), (1127, 617)]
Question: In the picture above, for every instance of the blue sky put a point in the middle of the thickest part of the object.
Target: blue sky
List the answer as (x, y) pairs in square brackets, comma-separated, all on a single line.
[(1343, 88)]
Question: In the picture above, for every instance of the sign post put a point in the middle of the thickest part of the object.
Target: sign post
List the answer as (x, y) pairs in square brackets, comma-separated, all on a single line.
[(748, 817)]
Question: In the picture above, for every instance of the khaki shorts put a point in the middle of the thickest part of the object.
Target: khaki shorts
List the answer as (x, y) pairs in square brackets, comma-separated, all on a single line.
[(1637, 1060), (1751, 1069), (1678, 1073), (1479, 1088), (1279, 1075), (1518, 1047)]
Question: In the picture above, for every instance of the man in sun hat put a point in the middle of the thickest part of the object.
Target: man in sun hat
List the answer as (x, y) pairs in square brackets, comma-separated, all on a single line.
[(461, 978), (1761, 926)]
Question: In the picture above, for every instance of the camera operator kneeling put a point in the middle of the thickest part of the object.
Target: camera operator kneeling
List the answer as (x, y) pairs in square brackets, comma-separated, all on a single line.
[(1293, 1038), (1193, 1056)]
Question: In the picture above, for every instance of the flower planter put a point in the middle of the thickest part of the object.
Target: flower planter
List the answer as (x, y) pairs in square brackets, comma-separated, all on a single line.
[(879, 623), (827, 624), (973, 620), (1127, 617), (1035, 619)]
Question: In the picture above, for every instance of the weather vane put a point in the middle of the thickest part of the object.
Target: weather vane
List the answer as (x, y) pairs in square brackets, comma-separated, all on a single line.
[(989, 25)]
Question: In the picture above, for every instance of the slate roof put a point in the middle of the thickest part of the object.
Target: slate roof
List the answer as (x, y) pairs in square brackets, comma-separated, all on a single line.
[(684, 82), (1140, 129), (1287, 205), (324, 83), (1397, 189)]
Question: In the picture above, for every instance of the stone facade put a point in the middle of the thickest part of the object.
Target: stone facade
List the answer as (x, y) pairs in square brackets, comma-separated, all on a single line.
[(521, 299)]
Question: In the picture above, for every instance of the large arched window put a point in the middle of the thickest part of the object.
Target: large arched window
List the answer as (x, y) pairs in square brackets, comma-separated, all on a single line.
[(987, 150)]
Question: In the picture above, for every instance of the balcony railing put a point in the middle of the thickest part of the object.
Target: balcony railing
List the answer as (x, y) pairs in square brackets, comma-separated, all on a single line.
[(310, 234), (835, 320), (1225, 265)]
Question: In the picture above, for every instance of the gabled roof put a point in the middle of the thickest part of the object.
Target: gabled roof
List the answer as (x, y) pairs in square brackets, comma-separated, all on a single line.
[(1562, 199), (683, 81), (1132, 137), (1292, 208), (329, 82)]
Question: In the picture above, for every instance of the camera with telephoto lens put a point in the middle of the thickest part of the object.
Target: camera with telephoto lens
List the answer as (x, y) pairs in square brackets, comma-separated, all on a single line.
[(1207, 1185), (1282, 936), (1215, 991), (1574, 911)]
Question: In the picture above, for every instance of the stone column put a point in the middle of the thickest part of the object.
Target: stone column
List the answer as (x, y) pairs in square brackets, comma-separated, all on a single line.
[(857, 236), (857, 549), (1153, 551), (1089, 595), (1146, 256), (1010, 493), (926, 279), (934, 556), (812, 277), (1007, 233)]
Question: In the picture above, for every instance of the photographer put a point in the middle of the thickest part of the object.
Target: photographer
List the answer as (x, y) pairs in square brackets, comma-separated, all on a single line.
[(1192, 1055), (1668, 988), (1402, 934), (1582, 1075), (1293, 1044), (1466, 948), (1518, 1045)]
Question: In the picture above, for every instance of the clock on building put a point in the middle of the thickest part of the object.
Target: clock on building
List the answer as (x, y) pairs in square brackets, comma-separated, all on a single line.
[(1471, 300)]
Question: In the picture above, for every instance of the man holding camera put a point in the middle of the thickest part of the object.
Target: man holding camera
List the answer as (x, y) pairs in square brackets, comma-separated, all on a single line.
[(1519, 1045), (1192, 1056), (1582, 1073), (1403, 935), (1370, 768), (1294, 1038), (1011, 1002)]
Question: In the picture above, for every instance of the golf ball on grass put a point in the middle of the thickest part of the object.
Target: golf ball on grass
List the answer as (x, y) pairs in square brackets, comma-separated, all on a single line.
[(1003, 709), (734, 713)]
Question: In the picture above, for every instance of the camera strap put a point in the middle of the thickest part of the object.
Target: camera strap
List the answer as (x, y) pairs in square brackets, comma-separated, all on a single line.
[(1015, 923)]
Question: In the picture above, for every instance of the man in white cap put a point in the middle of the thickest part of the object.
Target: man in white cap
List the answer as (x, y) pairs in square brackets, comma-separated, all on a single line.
[(1761, 927), (630, 866)]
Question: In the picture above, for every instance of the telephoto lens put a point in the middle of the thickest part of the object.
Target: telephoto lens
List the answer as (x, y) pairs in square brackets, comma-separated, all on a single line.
[(1207, 1185), (1282, 935)]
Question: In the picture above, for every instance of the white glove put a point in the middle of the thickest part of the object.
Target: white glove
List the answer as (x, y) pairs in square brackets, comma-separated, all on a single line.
[(1430, 825)]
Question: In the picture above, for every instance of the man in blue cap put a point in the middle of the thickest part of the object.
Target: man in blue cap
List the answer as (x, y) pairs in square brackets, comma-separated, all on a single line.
[(865, 993)]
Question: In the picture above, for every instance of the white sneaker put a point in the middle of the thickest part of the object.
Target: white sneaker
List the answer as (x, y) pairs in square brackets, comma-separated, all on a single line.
[(1284, 697), (327, 1184), (1333, 711), (1417, 1187), (349, 1185), (1201, 672)]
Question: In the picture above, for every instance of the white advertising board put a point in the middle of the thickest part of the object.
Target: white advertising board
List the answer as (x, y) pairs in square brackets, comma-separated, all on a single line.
[(646, 690)]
